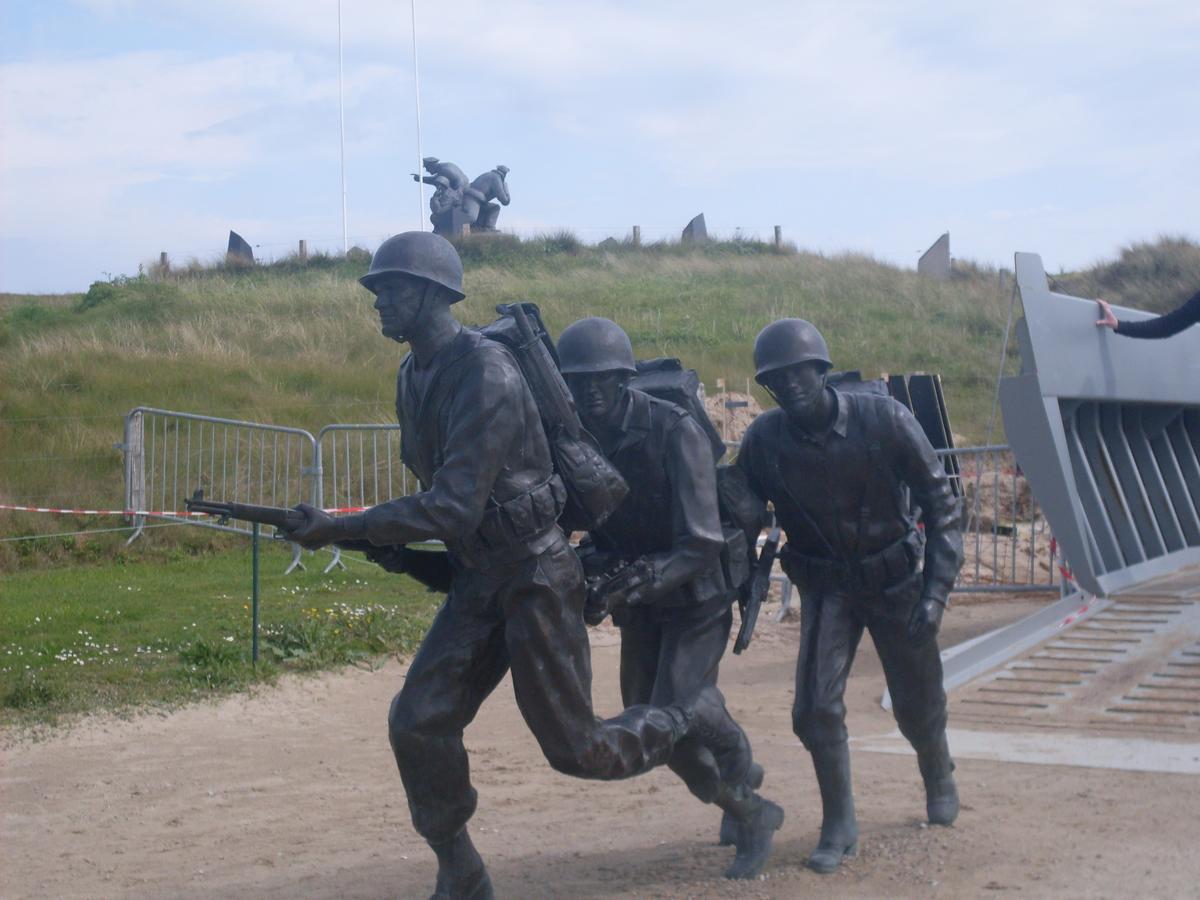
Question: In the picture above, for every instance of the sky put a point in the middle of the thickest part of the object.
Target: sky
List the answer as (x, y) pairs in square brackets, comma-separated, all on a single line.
[(1069, 128)]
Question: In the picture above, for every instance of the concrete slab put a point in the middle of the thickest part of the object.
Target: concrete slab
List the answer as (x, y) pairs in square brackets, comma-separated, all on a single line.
[(1129, 754)]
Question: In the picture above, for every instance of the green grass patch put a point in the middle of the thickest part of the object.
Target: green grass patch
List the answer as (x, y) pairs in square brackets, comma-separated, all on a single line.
[(148, 633)]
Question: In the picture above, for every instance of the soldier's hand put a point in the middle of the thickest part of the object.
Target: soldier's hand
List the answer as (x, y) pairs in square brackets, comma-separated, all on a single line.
[(636, 582), (925, 621), (319, 528)]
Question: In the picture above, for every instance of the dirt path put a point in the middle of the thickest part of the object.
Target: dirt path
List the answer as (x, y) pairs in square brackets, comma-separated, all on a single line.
[(293, 793)]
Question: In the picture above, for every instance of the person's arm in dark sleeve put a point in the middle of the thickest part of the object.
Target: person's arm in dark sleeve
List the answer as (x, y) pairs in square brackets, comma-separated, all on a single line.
[(695, 520), (941, 512), (746, 461), (486, 421), (1166, 325)]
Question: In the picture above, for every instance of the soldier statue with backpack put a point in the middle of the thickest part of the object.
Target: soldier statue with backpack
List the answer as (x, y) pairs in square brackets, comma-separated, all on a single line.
[(495, 476), (663, 564)]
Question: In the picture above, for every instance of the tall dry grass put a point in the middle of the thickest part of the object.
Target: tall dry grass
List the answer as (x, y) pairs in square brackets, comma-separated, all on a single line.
[(300, 346)]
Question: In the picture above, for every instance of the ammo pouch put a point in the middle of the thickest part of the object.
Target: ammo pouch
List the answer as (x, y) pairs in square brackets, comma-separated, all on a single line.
[(869, 575), (524, 517), (719, 581)]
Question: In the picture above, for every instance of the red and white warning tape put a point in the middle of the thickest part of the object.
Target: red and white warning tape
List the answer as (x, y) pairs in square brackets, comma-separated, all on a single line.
[(142, 512)]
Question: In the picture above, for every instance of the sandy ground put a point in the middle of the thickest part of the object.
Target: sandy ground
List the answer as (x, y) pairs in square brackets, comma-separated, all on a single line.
[(293, 793)]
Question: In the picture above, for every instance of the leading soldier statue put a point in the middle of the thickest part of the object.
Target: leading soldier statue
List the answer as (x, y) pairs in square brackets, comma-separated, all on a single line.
[(836, 466), (472, 433), (656, 563)]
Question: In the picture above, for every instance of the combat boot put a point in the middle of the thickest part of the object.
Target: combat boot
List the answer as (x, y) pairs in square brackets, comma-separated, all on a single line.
[(729, 825), (461, 872), (757, 819), (839, 827), (709, 722), (937, 771)]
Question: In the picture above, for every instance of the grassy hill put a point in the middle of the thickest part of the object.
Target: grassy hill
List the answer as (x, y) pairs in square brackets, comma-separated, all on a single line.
[(299, 345)]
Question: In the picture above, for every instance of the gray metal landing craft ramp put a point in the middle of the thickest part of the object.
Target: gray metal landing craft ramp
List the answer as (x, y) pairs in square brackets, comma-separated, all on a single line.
[(1107, 431), (1131, 666)]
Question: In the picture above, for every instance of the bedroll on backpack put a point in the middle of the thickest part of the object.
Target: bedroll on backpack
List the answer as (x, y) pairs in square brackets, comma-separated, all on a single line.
[(594, 487)]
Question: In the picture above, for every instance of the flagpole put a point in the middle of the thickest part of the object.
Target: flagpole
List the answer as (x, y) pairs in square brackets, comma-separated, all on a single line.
[(417, 96), (342, 135)]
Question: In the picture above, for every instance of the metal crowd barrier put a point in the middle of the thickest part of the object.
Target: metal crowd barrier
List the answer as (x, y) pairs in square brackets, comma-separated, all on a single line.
[(1007, 544), (168, 455), (360, 467)]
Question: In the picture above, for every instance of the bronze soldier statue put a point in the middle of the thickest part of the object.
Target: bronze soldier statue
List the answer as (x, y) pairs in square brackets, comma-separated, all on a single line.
[(836, 466), (472, 434), (656, 565)]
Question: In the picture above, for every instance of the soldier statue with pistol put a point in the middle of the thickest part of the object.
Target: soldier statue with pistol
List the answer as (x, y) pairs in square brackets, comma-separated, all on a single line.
[(845, 470)]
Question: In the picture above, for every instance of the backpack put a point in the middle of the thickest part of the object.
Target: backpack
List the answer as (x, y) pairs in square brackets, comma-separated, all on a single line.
[(594, 487), (668, 380)]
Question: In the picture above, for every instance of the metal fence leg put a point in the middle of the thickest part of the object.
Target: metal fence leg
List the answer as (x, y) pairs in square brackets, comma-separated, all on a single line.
[(785, 606), (336, 562), (139, 524), (295, 563)]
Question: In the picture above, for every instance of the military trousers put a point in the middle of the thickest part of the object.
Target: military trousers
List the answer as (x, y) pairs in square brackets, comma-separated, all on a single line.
[(667, 655), (831, 624), (526, 616)]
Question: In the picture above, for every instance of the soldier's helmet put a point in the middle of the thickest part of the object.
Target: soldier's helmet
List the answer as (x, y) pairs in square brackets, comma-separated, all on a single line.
[(786, 342), (420, 253), (595, 345)]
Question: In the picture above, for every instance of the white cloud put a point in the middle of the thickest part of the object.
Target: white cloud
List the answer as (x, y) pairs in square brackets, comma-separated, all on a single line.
[(79, 132), (746, 106)]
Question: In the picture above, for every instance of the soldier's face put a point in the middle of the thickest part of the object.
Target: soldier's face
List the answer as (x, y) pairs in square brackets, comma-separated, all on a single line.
[(598, 394), (398, 302), (797, 389)]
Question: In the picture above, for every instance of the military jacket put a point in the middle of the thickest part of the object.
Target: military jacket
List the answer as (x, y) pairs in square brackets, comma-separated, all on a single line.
[(472, 434), (670, 514), (841, 495)]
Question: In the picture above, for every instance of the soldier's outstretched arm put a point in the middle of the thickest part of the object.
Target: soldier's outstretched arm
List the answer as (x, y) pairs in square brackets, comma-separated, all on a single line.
[(747, 461)]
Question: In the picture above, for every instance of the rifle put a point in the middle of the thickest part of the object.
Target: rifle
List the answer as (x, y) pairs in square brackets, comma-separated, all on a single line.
[(282, 520), (760, 584), (609, 590), (430, 567)]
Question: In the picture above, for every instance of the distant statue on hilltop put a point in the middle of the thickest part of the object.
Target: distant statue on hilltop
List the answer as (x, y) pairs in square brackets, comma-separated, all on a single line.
[(456, 203)]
